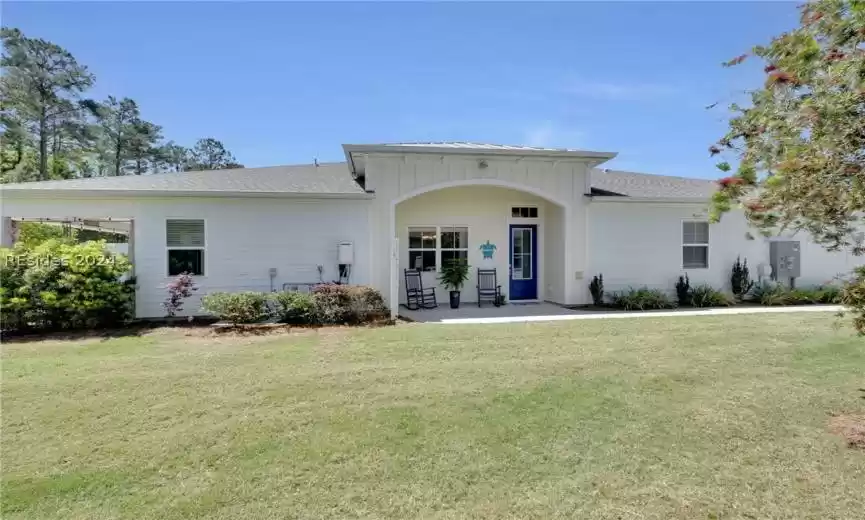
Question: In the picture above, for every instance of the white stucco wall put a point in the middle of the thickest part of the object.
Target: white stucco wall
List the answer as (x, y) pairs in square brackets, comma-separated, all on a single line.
[(395, 177), (486, 212), (245, 237), (640, 244), (553, 259)]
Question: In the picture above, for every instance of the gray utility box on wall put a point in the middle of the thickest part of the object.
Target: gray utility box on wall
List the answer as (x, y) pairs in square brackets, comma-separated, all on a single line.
[(785, 259)]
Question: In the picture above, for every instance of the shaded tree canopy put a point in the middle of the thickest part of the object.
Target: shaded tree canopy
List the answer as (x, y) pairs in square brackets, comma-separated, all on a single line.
[(210, 154), (49, 130), (800, 143)]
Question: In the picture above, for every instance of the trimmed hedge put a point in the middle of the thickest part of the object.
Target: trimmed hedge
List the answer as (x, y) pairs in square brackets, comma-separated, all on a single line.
[(293, 307), (237, 308), (336, 303), (327, 304)]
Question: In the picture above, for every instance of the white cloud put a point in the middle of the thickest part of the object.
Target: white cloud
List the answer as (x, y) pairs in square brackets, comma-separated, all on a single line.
[(549, 134), (617, 91)]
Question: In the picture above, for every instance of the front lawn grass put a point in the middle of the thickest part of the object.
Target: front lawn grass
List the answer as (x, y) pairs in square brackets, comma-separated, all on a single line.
[(682, 417)]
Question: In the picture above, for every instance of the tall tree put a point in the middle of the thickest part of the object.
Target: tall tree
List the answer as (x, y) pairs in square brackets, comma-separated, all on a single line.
[(800, 143), (38, 80), (211, 154), (172, 157), (144, 146), (14, 145), (124, 136)]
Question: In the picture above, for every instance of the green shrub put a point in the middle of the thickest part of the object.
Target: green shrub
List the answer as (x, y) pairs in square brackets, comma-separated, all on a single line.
[(771, 293), (327, 304), (241, 307), (31, 234), (596, 287), (740, 279), (337, 304), (683, 290), (293, 307), (803, 296), (642, 299), (766, 292), (367, 304), (828, 294), (57, 285), (331, 303), (706, 296), (853, 297)]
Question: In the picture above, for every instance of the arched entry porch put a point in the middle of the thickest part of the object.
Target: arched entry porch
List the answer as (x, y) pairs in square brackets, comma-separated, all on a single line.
[(519, 231)]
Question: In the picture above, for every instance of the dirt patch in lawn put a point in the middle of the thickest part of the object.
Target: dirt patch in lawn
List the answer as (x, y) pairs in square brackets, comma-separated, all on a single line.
[(851, 428)]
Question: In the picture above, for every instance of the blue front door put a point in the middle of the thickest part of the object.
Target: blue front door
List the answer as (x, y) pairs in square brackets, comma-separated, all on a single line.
[(524, 262)]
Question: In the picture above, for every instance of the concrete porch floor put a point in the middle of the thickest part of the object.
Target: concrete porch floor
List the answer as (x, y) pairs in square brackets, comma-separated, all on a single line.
[(471, 313)]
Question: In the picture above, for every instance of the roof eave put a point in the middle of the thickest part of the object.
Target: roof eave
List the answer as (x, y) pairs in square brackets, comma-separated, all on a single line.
[(49, 193), (600, 157), (666, 200)]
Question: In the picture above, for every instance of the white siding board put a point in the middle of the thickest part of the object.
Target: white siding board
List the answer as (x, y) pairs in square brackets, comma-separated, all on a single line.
[(640, 244), (245, 237)]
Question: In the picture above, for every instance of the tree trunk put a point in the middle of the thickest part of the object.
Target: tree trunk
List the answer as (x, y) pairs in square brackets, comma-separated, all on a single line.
[(117, 154), (55, 139), (43, 144)]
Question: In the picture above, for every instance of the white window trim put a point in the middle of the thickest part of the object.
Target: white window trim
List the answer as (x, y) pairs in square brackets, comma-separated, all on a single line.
[(421, 249), (441, 249), (168, 248), (438, 247), (533, 237), (520, 205), (694, 244)]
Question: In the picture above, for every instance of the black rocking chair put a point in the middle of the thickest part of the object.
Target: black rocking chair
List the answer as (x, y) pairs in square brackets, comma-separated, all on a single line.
[(488, 287), (416, 297)]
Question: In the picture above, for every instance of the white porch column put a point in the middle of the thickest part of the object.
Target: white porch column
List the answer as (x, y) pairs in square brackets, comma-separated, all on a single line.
[(9, 232), (393, 285), (568, 249)]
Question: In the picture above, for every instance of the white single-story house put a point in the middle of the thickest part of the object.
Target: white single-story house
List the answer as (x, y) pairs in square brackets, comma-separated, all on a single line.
[(546, 219)]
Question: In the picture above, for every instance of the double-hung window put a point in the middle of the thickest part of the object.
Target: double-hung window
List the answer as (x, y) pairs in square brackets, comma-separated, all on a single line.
[(422, 244), (434, 246), (186, 246), (695, 245), (454, 245)]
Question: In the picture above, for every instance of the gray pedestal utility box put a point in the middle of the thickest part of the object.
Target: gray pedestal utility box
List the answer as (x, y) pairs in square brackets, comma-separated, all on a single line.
[(784, 258)]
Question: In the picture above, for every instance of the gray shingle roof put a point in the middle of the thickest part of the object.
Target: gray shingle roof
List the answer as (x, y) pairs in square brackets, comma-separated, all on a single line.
[(336, 179), (326, 178), (644, 185)]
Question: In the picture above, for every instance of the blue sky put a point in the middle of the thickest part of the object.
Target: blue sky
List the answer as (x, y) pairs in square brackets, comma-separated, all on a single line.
[(282, 83)]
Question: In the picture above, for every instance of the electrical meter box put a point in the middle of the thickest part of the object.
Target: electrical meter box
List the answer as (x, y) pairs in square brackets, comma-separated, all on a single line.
[(784, 257), (345, 253)]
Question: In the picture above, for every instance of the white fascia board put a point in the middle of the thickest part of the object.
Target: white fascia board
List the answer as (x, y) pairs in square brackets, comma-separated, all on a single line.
[(665, 200), (48, 194)]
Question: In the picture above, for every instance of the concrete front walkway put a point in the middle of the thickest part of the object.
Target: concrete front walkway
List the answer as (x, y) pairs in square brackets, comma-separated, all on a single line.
[(515, 313)]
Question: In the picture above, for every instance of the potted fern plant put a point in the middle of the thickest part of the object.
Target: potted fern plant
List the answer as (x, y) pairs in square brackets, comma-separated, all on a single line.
[(453, 275)]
